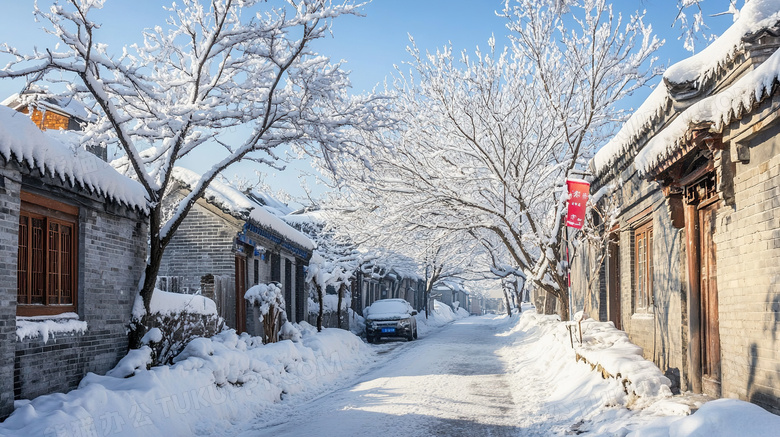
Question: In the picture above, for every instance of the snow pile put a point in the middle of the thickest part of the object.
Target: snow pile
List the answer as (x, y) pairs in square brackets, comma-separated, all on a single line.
[(718, 418), (719, 110), (214, 383), (441, 315), (135, 361), (605, 349), (234, 201), (357, 324), (22, 141), (44, 326), (166, 303), (585, 398)]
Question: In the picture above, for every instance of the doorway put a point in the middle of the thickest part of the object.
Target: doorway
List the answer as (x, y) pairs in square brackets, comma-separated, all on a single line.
[(701, 205), (240, 291), (613, 280), (710, 322)]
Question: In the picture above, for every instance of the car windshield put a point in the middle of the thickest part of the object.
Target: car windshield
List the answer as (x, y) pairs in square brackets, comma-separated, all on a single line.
[(389, 307)]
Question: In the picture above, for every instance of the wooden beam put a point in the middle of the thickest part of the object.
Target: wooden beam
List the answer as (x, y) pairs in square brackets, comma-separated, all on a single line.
[(694, 297)]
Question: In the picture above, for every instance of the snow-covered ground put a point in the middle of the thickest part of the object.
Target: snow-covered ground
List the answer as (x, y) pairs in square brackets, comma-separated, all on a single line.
[(489, 375)]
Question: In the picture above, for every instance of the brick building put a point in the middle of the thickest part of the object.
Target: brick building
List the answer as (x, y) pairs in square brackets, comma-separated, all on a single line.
[(691, 272), (228, 242), (74, 246)]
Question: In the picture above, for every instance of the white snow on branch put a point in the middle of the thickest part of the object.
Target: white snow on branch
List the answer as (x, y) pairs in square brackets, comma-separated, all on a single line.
[(45, 326), (22, 141), (238, 204), (265, 295)]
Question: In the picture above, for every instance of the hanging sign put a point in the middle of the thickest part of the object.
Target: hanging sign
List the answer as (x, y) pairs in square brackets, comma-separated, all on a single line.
[(578, 199)]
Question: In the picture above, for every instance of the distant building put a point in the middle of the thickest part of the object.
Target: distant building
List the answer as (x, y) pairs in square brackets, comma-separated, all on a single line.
[(230, 241)]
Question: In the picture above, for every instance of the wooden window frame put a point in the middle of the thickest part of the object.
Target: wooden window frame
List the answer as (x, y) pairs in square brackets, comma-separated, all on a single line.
[(51, 213), (643, 267)]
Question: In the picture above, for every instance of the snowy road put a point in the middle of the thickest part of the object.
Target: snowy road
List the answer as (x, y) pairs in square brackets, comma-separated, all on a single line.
[(452, 382)]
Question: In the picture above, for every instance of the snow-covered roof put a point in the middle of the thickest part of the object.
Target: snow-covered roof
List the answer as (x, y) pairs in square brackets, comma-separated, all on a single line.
[(316, 217), (718, 110), (696, 71), (22, 141), (239, 205), (66, 106), (754, 16), (270, 203)]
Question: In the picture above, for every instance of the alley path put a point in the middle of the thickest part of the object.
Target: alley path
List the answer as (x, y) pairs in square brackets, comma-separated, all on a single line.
[(452, 382)]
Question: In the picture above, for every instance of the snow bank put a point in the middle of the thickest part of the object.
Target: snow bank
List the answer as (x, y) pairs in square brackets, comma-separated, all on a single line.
[(214, 383), (230, 199), (22, 141), (330, 302), (605, 348), (166, 303), (441, 315), (45, 326), (582, 393), (718, 418)]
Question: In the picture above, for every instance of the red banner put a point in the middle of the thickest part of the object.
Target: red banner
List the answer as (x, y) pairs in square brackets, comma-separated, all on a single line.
[(578, 199)]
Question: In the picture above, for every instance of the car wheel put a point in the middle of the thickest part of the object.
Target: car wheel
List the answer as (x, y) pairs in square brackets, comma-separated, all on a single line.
[(411, 336), (369, 339), (415, 333)]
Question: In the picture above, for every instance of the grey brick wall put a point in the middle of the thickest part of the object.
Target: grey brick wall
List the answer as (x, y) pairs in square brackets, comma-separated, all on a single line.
[(112, 252), (9, 225), (203, 245), (748, 255)]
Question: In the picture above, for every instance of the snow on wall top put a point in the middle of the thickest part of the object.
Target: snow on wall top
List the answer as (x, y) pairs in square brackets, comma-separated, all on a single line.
[(167, 303), (238, 204), (22, 141), (719, 110), (754, 16)]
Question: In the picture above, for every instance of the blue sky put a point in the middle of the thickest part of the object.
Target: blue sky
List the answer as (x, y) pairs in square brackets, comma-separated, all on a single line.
[(370, 45)]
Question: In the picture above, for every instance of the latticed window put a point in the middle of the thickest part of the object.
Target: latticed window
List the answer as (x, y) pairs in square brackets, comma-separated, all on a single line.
[(46, 269), (643, 257)]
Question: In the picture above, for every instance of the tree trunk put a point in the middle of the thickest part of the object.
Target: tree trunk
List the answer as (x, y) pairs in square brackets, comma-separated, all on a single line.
[(508, 304), (338, 309), (321, 297)]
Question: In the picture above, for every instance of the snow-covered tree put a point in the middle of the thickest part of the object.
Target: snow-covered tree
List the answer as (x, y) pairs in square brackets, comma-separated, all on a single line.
[(693, 26), (488, 139), (213, 70), (368, 222)]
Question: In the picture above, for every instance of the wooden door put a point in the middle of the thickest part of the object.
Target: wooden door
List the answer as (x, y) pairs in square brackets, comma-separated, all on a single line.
[(613, 281), (240, 291), (710, 323)]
